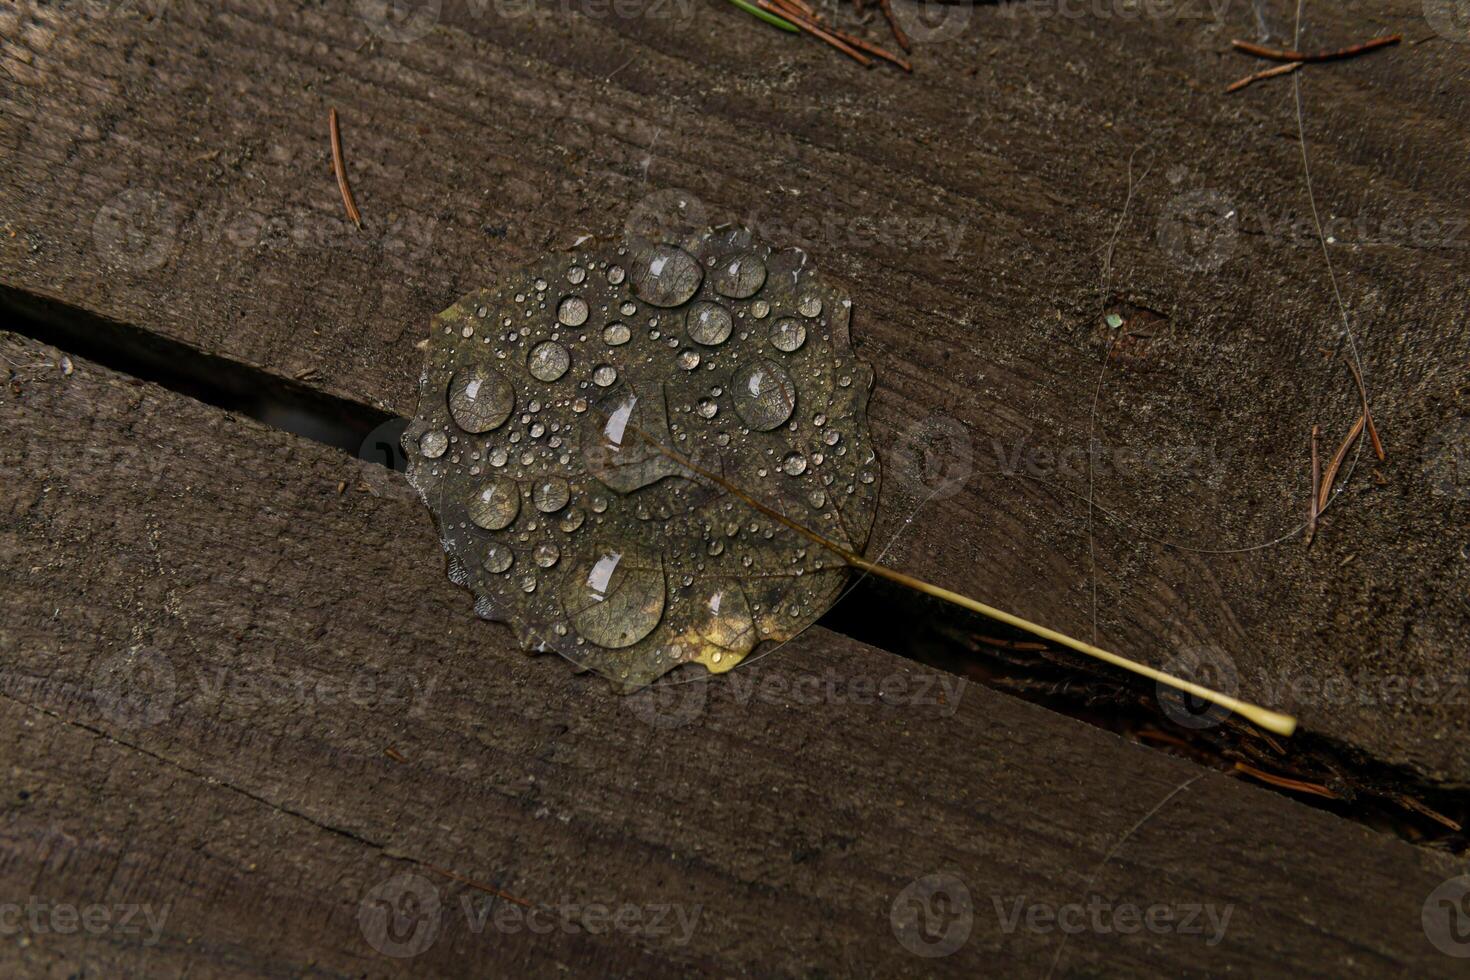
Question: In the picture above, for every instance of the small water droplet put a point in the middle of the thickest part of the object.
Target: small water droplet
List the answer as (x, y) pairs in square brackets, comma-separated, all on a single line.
[(576, 274), (707, 408), (604, 375), (794, 464), (615, 274), (688, 359), (546, 554), (572, 520), (810, 306), (760, 309), (616, 334)]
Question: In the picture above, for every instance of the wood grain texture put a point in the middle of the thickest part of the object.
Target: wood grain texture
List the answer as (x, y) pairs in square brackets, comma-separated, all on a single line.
[(207, 651), (173, 171)]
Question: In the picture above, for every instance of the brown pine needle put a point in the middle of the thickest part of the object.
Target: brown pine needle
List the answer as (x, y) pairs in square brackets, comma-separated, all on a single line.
[(1239, 84), (815, 31), (1275, 54), (1328, 478), (874, 49), (1417, 807), (1285, 782), (1363, 392), (1273, 721), (794, 13), (341, 171), (1313, 508), (898, 34), (478, 886)]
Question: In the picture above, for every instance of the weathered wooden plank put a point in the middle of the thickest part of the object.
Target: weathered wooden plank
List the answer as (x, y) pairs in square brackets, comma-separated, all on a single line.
[(245, 698), (172, 172)]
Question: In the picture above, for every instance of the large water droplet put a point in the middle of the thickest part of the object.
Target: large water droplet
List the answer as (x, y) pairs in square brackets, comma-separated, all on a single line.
[(708, 323), (707, 408), (433, 443), (723, 618), (604, 375), (572, 311), (616, 334), (787, 334), (614, 598), (495, 504), (763, 394), (551, 494), (739, 276), (794, 463), (810, 306), (688, 359), (480, 398), (666, 275), (548, 361)]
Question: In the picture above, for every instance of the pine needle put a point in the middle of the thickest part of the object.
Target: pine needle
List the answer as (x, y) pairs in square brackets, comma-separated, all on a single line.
[(769, 18)]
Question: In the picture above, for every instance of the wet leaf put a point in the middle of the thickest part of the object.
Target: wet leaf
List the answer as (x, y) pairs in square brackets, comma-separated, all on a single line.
[(571, 419)]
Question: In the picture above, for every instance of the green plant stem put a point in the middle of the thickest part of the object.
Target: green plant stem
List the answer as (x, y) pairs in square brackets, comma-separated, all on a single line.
[(769, 18)]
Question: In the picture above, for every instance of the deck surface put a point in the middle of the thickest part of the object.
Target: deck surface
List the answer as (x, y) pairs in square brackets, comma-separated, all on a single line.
[(235, 684)]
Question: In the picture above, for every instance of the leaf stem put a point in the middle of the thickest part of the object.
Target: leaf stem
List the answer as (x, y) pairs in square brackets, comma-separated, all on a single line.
[(1273, 721)]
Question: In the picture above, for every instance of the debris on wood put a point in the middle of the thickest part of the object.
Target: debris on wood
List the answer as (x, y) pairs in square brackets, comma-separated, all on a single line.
[(1285, 782), (1295, 59), (340, 170), (1337, 54)]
